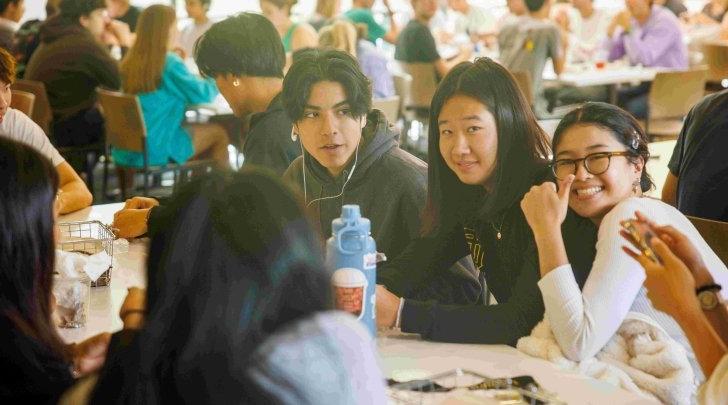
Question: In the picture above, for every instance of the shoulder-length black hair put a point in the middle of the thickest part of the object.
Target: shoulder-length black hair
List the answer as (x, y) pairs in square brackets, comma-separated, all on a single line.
[(237, 262), (623, 126), (522, 146), (28, 187)]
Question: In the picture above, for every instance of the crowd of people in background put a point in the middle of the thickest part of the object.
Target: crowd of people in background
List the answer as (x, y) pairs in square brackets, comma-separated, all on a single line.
[(497, 212)]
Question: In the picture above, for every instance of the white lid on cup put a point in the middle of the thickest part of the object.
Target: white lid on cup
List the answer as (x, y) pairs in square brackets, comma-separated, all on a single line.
[(349, 277)]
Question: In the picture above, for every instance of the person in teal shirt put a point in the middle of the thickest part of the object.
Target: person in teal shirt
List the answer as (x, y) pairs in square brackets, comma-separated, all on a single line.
[(361, 13), (293, 35), (165, 88)]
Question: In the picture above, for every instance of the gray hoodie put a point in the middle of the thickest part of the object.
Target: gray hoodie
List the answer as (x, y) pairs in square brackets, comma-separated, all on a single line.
[(389, 184)]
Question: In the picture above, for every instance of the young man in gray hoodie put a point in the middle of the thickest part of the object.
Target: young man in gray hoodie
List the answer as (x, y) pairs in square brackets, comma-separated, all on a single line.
[(350, 152)]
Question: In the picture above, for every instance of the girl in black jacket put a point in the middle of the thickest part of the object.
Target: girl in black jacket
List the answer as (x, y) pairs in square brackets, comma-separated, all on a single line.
[(486, 150)]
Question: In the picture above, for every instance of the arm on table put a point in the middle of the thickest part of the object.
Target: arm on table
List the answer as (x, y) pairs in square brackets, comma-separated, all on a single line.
[(73, 193)]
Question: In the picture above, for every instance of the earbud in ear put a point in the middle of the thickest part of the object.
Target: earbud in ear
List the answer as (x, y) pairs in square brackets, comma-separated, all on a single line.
[(294, 135)]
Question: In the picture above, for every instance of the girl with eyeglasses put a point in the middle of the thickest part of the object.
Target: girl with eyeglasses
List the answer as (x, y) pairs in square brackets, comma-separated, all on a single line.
[(600, 153), (486, 150)]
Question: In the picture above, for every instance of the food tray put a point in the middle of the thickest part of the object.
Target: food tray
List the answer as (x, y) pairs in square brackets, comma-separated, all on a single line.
[(463, 386), (89, 237)]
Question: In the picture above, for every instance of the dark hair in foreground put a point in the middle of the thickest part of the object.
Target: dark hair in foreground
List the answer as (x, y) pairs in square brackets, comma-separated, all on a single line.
[(27, 249), (315, 65), (237, 262), (522, 145), (623, 126), (243, 45)]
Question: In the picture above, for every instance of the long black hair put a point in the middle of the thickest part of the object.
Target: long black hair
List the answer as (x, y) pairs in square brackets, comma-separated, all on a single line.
[(28, 188), (522, 146), (237, 262), (624, 127)]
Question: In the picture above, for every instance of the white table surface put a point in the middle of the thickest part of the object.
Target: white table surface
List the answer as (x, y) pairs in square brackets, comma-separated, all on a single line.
[(583, 76), (401, 355), (128, 271)]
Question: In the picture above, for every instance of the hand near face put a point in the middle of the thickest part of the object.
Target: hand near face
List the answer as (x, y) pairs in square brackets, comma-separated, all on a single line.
[(624, 19), (90, 355), (545, 208), (670, 285), (119, 33), (387, 308)]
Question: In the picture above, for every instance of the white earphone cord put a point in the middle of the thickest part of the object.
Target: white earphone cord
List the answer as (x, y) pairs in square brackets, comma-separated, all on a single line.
[(343, 187)]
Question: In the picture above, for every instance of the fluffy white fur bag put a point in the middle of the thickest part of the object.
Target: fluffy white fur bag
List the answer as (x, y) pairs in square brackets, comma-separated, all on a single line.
[(640, 358)]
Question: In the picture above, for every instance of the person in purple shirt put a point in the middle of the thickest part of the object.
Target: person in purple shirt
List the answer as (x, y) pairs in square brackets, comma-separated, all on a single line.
[(649, 35)]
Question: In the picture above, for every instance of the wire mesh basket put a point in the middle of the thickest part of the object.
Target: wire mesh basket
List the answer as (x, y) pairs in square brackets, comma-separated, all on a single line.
[(447, 386), (89, 238)]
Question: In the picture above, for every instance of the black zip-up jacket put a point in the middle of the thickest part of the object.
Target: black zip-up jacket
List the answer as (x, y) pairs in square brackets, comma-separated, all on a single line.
[(389, 184), (436, 301)]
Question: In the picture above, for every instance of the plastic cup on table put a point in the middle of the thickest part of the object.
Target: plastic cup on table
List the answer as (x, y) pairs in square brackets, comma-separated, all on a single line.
[(71, 296)]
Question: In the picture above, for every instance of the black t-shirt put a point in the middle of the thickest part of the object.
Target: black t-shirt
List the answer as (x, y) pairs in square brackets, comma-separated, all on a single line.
[(416, 44), (699, 160), (131, 17)]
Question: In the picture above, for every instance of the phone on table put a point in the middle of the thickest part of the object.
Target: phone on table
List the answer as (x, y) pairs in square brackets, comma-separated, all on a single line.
[(641, 236)]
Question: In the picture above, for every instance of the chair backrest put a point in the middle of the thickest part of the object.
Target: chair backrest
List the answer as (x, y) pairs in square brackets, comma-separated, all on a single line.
[(715, 56), (672, 94), (389, 106), (523, 80), (715, 234), (402, 87), (42, 113), (424, 84), (123, 120), (23, 101)]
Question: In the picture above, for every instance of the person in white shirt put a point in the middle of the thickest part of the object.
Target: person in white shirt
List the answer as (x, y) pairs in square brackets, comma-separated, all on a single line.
[(473, 21), (11, 11), (73, 193), (600, 153), (199, 24), (588, 29), (682, 286)]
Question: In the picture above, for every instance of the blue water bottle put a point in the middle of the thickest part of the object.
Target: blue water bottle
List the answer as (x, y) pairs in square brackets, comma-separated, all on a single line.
[(351, 254)]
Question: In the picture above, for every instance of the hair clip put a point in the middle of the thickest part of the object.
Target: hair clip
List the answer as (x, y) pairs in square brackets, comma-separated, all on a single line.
[(635, 143)]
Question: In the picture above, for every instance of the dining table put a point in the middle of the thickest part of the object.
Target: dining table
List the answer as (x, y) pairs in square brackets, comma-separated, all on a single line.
[(402, 356)]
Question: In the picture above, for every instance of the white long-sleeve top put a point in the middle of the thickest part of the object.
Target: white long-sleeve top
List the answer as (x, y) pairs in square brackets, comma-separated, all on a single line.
[(584, 321)]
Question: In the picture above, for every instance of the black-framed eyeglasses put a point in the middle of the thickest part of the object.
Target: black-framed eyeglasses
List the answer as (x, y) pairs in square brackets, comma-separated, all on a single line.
[(594, 163)]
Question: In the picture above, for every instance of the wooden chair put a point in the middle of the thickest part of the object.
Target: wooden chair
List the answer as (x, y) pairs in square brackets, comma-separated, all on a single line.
[(424, 84), (42, 113), (389, 106), (523, 79), (402, 88), (125, 129), (715, 56), (671, 97), (416, 106), (715, 234), (23, 102)]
